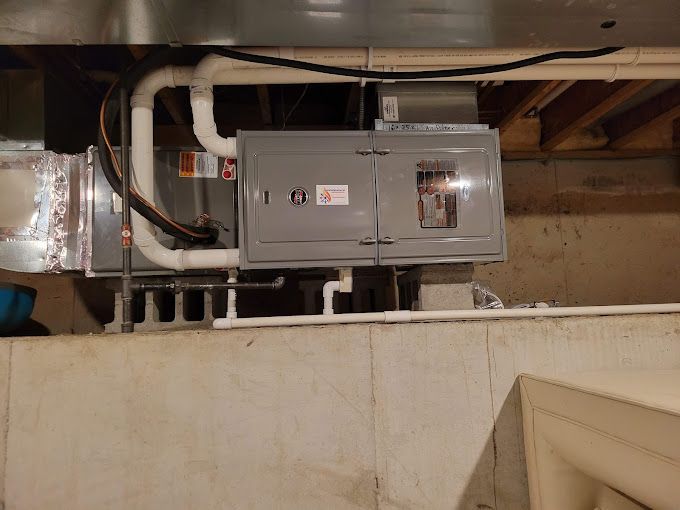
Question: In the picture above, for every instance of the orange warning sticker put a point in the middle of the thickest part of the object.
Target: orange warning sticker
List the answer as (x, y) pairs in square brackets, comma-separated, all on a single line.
[(197, 164)]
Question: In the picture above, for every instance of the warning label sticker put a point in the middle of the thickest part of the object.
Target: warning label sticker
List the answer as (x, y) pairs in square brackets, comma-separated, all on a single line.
[(198, 164), (332, 194), (390, 109)]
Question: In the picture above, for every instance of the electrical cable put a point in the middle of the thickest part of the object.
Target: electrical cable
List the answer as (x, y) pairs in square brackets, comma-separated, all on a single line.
[(194, 234), (411, 75), (297, 103)]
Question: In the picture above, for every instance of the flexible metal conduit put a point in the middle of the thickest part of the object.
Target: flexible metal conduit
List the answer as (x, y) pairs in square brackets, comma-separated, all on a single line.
[(444, 315)]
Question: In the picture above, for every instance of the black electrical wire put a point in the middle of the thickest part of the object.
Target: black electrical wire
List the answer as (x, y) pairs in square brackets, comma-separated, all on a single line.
[(163, 56), (412, 75)]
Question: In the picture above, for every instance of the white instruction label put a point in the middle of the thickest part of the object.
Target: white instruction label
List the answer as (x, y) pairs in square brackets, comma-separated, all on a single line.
[(332, 194), (390, 109), (197, 164)]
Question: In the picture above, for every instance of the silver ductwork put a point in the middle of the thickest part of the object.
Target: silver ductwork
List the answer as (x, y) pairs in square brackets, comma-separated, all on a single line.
[(44, 206)]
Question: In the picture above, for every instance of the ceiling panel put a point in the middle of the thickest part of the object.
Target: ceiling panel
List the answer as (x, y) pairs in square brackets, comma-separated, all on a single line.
[(462, 23)]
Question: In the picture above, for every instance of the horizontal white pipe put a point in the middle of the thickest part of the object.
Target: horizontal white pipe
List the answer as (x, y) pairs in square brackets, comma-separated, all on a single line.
[(217, 70), (444, 315), (283, 75), (144, 232), (443, 57)]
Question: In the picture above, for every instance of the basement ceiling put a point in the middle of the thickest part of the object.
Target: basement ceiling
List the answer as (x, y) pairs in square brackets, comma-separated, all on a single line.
[(398, 23)]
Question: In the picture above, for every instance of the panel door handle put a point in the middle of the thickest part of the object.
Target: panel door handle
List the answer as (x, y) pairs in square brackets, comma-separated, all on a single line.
[(383, 152), (364, 152), (368, 240), (387, 240)]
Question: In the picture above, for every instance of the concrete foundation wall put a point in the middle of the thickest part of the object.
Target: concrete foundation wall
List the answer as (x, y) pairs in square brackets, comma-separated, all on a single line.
[(590, 232), (350, 417)]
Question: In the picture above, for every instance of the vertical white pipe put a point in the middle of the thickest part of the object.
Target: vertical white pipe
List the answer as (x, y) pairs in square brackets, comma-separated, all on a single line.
[(329, 290), (231, 295)]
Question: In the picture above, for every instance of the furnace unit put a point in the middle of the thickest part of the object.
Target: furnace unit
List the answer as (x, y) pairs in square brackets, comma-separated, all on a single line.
[(330, 199)]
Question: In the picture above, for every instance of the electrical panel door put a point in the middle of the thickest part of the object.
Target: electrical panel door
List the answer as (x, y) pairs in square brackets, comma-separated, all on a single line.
[(307, 199), (439, 197)]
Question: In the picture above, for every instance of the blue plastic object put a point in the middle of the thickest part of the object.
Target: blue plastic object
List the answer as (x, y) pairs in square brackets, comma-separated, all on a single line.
[(16, 306)]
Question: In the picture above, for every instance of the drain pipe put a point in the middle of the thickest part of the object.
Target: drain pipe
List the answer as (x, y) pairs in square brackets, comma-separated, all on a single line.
[(329, 290), (144, 232), (231, 295), (404, 316)]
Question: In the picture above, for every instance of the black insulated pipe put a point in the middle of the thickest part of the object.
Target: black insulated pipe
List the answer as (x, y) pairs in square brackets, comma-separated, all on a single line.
[(178, 286), (128, 325)]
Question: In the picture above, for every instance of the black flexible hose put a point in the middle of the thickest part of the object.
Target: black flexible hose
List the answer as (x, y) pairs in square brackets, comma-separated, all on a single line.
[(412, 75), (130, 79)]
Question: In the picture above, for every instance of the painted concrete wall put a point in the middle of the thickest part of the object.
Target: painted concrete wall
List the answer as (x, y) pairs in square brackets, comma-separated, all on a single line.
[(346, 417), (590, 232)]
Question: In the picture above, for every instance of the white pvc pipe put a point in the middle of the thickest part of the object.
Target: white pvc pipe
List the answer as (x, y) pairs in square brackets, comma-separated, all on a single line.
[(279, 75), (231, 295), (443, 315), (445, 57), (144, 232), (329, 290), (217, 70)]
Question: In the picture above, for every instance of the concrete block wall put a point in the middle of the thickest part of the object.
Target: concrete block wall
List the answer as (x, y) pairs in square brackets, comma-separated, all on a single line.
[(382, 416)]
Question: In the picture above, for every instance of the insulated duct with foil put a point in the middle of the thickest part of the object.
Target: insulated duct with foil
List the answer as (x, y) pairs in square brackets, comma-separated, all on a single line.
[(45, 201)]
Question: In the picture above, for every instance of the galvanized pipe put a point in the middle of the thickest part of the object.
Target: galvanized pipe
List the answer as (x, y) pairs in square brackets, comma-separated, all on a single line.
[(128, 325), (178, 286)]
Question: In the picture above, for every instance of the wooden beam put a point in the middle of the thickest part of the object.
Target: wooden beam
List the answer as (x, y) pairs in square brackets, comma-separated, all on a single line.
[(513, 100), (624, 127), (51, 63), (265, 104), (589, 154), (581, 105), (484, 93), (170, 98)]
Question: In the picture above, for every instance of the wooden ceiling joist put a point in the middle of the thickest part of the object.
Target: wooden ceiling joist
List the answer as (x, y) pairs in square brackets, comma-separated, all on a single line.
[(513, 100), (581, 105), (624, 127), (265, 104)]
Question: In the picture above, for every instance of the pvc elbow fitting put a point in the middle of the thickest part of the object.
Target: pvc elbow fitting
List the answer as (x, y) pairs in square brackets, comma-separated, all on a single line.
[(329, 289)]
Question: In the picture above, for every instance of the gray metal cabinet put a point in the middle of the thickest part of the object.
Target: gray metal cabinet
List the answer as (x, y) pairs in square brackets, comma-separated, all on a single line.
[(439, 197), (307, 199), (330, 199)]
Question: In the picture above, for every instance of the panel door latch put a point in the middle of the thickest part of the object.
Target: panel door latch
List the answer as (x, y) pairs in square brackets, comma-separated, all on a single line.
[(383, 152), (368, 240), (387, 240), (364, 152)]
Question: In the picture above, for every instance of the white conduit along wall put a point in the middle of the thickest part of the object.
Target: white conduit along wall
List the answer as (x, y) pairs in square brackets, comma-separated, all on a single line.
[(630, 63), (403, 316)]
